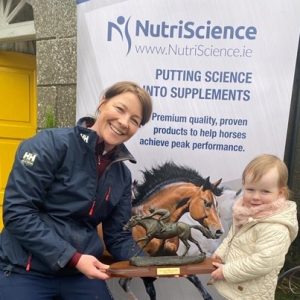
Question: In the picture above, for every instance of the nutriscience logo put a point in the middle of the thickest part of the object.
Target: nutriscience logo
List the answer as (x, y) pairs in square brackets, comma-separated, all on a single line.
[(188, 30), (121, 27)]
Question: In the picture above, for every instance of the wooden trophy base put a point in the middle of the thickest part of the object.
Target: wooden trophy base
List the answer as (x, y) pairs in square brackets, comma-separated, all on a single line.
[(125, 269)]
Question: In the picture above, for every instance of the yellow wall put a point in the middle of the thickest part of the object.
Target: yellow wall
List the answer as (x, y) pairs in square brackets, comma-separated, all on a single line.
[(18, 113)]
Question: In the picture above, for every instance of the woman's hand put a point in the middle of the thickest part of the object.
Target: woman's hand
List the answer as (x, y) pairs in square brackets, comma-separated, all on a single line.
[(92, 268), (216, 257)]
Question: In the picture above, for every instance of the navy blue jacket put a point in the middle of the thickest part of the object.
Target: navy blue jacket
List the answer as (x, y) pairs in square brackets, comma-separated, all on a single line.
[(54, 201)]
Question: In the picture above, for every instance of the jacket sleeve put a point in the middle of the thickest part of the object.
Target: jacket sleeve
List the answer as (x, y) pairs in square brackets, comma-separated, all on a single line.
[(25, 200), (271, 246), (222, 249), (119, 242)]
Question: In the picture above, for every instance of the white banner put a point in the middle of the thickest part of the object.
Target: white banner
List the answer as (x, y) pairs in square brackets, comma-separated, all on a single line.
[(220, 74)]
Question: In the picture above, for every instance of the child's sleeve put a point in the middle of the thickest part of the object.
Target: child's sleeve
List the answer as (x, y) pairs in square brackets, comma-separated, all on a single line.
[(269, 250), (222, 249)]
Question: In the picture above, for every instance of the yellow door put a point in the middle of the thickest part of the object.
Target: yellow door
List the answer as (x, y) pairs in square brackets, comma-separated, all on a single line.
[(17, 109)]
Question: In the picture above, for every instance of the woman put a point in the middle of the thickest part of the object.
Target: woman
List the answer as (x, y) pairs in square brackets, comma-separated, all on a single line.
[(63, 184)]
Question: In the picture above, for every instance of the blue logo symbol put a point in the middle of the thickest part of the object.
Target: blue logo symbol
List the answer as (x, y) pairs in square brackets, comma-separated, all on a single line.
[(122, 28)]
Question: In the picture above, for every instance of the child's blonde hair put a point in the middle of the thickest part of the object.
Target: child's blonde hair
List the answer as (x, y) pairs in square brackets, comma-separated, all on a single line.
[(261, 164)]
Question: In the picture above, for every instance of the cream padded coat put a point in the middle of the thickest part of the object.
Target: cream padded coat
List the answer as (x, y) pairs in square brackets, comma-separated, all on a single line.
[(256, 256)]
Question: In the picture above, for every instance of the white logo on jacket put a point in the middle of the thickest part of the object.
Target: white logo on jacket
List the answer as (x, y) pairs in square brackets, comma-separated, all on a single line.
[(29, 158), (84, 137)]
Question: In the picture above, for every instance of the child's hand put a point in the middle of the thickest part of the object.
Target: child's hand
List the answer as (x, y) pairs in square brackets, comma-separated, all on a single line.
[(218, 273)]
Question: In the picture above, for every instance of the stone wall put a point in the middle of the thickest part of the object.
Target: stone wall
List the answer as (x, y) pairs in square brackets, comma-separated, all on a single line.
[(55, 24)]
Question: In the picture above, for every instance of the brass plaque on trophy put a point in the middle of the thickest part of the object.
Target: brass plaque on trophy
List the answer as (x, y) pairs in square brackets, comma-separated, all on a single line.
[(167, 271)]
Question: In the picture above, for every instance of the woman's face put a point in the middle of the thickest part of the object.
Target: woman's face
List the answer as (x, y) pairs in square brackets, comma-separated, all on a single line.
[(264, 191), (118, 120)]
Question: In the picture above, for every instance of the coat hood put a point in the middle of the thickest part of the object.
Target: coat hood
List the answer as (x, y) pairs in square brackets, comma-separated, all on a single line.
[(287, 217)]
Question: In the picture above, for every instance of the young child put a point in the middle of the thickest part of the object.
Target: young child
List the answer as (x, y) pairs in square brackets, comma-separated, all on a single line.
[(264, 225)]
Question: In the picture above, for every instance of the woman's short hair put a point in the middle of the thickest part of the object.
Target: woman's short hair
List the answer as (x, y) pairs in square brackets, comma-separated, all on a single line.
[(130, 86)]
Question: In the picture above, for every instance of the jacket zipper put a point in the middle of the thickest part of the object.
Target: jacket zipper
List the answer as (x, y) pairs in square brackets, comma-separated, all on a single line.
[(107, 194), (28, 266), (106, 198), (91, 212)]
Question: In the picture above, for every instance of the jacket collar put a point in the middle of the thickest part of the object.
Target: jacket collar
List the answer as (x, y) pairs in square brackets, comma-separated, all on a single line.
[(90, 137)]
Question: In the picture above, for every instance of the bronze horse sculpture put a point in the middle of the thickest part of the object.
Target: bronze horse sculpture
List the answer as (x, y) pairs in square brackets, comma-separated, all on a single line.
[(154, 230), (180, 190)]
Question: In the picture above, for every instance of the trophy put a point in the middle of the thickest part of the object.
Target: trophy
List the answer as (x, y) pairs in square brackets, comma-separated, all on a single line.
[(156, 228)]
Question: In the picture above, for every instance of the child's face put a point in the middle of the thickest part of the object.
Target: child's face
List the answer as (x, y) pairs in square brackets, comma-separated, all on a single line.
[(263, 191)]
